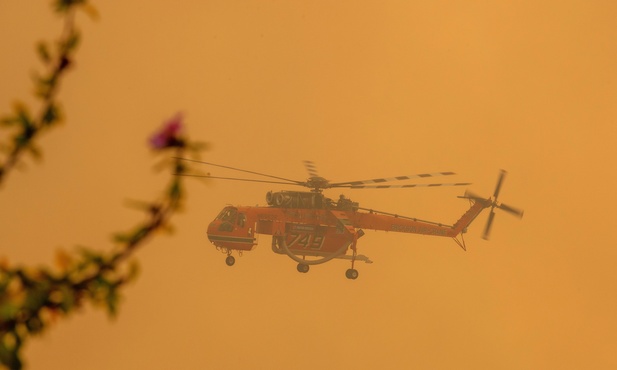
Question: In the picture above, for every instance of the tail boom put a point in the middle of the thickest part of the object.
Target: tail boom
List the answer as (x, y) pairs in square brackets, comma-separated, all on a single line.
[(401, 224), (468, 217)]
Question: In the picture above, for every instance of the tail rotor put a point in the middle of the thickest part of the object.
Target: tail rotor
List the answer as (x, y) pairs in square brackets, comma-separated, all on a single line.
[(494, 204)]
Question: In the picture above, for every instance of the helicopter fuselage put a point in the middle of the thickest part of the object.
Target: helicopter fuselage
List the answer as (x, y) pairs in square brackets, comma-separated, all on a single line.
[(309, 224)]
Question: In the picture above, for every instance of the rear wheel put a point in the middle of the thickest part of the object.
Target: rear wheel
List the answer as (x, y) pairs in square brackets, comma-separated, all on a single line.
[(352, 274), (303, 268)]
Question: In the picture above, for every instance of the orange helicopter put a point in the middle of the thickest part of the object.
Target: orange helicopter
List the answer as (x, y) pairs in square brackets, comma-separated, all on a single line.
[(312, 229)]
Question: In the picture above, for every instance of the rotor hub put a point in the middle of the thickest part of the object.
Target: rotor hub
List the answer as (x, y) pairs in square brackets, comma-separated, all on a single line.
[(317, 183)]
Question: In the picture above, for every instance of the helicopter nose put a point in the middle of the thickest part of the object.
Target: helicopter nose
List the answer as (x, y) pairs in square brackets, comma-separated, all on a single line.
[(212, 228), (214, 224)]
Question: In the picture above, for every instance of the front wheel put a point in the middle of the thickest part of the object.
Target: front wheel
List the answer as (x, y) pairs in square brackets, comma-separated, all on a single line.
[(230, 260)]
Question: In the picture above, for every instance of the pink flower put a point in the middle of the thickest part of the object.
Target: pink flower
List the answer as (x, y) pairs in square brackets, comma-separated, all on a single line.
[(169, 135)]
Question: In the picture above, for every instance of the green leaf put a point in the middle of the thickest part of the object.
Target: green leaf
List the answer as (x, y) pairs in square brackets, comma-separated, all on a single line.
[(36, 297), (5, 279), (90, 263), (43, 50), (111, 300), (23, 138), (140, 234), (51, 115), (22, 115), (35, 324), (90, 255), (133, 271), (121, 238), (36, 152), (63, 6), (69, 300), (65, 298), (10, 345), (44, 85), (8, 311), (175, 190), (72, 41), (9, 120), (27, 124), (25, 120), (92, 12), (167, 228)]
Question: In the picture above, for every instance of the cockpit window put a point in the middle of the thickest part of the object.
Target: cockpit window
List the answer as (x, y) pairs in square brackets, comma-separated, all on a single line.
[(228, 214)]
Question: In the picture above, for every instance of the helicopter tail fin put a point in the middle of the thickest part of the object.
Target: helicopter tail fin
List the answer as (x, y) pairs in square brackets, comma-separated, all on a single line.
[(470, 215)]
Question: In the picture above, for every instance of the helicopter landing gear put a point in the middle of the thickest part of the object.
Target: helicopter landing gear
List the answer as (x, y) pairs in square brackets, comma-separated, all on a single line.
[(303, 268), (351, 274), (230, 260)]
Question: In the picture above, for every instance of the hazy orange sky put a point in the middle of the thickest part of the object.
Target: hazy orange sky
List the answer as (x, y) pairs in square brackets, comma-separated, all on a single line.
[(364, 89)]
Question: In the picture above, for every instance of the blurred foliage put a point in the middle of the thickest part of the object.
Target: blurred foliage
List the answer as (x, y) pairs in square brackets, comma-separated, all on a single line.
[(23, 125), (33, 299)]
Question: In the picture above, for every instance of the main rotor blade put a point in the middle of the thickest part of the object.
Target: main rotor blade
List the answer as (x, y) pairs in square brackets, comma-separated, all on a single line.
[(397, 178), (489, 223), (502, 174), (515, 211), (311, 168), (238, 179), (396, 186), (241, 170)]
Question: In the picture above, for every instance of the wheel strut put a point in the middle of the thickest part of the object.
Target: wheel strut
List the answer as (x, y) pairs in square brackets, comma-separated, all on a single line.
[(352, 273)]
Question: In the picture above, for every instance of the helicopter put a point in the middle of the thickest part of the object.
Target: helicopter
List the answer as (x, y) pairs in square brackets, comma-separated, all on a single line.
[(313, 229)]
